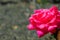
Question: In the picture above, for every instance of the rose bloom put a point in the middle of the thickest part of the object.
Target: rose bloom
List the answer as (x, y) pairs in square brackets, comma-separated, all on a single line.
[(44, 21)]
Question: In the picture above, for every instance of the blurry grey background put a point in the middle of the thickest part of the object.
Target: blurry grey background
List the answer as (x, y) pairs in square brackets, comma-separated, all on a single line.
[(14, 16)]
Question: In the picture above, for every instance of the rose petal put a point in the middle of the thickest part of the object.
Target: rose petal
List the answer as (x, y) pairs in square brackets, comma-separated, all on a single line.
[(30, 27), (40, 33), (52, 28)]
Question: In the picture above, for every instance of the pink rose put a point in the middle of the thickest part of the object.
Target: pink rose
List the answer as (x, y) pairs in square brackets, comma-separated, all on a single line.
[(45, 21)]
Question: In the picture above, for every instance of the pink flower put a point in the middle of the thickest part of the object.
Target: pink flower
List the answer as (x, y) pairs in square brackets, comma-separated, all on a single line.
[(30, 27), (45, 21), (40, 33)]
